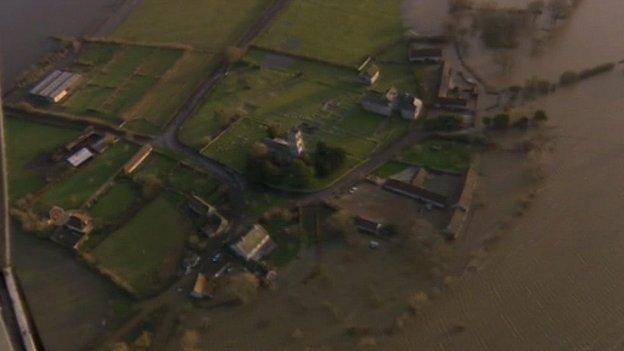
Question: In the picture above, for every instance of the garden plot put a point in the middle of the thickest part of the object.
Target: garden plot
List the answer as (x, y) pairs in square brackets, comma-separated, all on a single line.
[(118, 77)]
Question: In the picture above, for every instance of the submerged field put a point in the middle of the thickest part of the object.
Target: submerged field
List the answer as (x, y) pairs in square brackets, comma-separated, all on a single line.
[(201, 23), (339, 31)]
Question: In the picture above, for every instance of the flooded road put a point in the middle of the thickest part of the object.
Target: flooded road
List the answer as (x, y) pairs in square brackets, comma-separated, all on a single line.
[(26, 26)]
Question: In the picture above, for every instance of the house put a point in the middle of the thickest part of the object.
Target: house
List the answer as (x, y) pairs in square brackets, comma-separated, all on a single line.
[(368, 72), (409, 106), (138, 159), (213, 223), (56, 86), (79, 222), (201, 288), (254, 245), (286, 150), (368, 226), (446, 80), (81, 156), (103, 142), (457, 224), (378, 103), (386, 104), (424, 55), (420, 177), (416, 192), (296, 145), (470, 185), (57, 216)]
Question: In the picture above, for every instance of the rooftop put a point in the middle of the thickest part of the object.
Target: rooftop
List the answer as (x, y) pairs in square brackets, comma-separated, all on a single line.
[(80, 157)]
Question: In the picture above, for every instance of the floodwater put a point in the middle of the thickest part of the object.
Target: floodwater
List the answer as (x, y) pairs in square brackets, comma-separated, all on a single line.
[(26, 27), (71, 304), (555, 280), (590, 37)]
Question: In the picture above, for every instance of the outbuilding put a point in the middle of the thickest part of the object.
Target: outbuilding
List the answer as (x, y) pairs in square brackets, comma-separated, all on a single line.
[(254, 245), (424, 55), (56, 86), (81, 156)]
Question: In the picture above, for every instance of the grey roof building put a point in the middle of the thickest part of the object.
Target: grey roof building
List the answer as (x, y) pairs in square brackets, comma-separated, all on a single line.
[(56, 86)]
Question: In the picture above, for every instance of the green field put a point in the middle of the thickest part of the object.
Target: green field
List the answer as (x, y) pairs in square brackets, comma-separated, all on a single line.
[(201, 23), (147, 250), (277, 91), (117, 78), (116, 203), (441, 155), (339, 31), (160, 103), (26, 142), (74, 191)]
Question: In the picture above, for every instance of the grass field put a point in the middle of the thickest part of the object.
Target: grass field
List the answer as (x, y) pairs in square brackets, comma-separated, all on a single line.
[(75, 190), (277, 91), (27, 141), (441, 155), (339, 31), (115, 204), (201, 23), (160, 103), (147, 250), (117, 78)]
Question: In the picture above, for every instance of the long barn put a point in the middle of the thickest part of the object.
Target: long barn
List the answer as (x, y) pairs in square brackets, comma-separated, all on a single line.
[(56, 86)]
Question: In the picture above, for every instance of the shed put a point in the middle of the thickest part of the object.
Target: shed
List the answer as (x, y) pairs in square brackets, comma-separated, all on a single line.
[(424, 55), (138, 159), (254, 245), (81, 156), (79, 222), (416, 192), (378, 103), (368, 71), (368, 225), (56, 86)]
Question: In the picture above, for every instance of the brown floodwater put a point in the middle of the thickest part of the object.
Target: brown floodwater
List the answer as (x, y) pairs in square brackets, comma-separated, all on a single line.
[(555, 280)]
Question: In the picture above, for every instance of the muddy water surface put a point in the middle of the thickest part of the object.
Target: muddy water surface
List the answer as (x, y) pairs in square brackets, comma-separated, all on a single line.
[(555, 280), (26, 26)]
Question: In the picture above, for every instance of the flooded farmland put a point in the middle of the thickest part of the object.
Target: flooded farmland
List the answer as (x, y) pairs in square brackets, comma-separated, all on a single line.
[(71, 304), (27, 25), (552, 281)]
